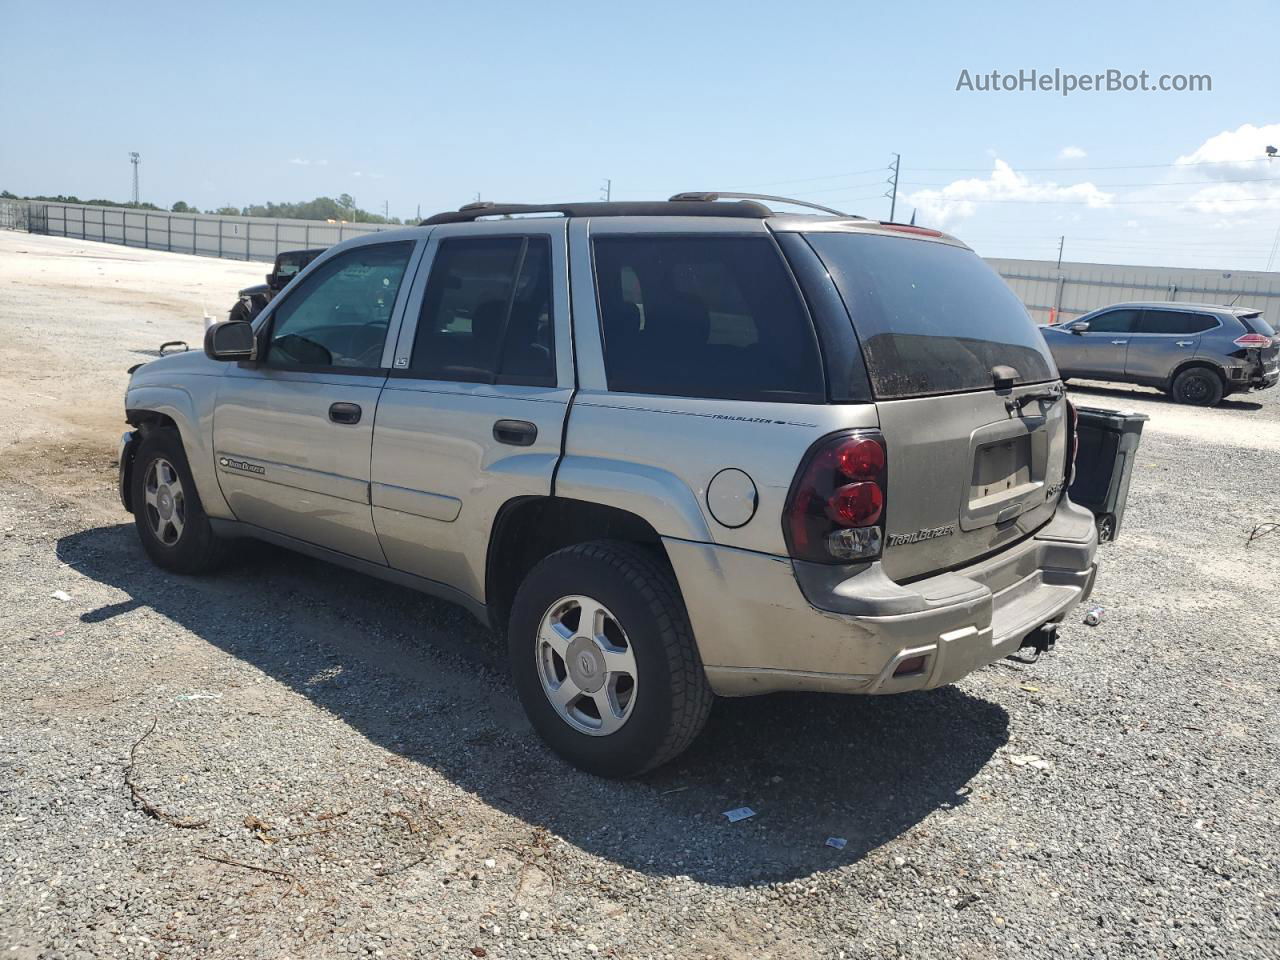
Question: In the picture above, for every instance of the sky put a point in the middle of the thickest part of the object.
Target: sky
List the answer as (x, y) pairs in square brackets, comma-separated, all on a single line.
[(425, 105)]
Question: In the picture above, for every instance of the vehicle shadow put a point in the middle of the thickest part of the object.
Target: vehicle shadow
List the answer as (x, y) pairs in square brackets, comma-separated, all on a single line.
[(421, 678), (1154, 396)]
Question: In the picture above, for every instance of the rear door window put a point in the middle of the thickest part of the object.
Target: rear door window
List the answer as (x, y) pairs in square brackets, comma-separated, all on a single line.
[(704, 316), (486, 314), (932, 318), (1175, 322)]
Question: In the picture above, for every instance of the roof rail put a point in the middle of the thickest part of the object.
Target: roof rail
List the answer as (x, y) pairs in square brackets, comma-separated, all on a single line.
[(675, 207), (720, 194)]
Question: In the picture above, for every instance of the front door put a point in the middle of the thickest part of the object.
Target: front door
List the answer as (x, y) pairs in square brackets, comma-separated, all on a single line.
[(473, 413), (293, 433), (1100, 352)]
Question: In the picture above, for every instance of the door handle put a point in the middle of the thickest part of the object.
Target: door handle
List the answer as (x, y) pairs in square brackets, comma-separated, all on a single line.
[(345, 412), (518, 433), (1184, 343), (1119, 342)]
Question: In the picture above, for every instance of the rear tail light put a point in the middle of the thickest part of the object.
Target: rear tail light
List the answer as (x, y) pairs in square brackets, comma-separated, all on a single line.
[(1073, 443), (835, 510), (1256, 340)]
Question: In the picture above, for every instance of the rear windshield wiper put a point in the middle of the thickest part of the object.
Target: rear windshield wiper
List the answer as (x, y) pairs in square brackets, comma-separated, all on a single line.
[(1051, 395)]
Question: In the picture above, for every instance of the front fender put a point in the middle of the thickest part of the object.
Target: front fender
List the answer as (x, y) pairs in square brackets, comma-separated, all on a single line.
[(659, 497), (192, 413)]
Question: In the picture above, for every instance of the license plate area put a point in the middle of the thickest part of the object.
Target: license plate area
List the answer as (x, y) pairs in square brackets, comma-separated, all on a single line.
[(1007, 474)]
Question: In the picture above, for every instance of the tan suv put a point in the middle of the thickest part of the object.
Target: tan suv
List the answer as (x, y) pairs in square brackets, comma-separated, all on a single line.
[(671, 450)]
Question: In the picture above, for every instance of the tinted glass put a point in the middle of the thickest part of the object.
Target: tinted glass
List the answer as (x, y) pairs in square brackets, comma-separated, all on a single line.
[(704, 317), (1115, 321), (932, 318), (486, 314), (338, 316), (1255, 323), (1175, 322)]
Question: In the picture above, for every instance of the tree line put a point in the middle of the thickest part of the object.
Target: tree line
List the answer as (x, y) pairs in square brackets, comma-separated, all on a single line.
[(321, 208)]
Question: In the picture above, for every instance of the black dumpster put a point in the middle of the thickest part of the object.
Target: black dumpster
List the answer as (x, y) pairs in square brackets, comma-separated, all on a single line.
[(1104, 463)]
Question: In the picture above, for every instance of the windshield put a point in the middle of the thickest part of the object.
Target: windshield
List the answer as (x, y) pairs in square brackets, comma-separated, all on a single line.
[(932, 318)]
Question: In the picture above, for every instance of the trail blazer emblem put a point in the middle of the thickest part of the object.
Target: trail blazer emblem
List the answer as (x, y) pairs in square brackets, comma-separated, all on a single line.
[(242, 465), (928, 533)]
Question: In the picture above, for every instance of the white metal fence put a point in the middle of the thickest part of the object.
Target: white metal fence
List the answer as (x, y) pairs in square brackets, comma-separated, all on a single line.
[(236, 238), (1050, 292)]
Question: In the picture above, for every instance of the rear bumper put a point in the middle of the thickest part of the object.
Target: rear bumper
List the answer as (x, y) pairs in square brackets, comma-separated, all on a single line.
[(760, 630), (1266, 380)]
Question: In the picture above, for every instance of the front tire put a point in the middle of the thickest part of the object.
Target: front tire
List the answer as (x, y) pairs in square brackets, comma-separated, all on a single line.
[(1198, 386), (604, 659), (171, 522)]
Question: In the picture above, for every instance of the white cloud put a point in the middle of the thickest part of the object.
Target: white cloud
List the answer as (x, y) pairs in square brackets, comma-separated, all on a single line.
[(356, 173), (306, 162), (961, 198), (1072, 153), (1238, 154)]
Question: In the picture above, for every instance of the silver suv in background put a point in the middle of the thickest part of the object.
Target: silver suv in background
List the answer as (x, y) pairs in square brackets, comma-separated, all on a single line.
[(1197, 352), (671, 450)]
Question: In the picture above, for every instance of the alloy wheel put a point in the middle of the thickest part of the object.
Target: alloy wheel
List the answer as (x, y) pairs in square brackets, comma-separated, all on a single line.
[(586, 665)]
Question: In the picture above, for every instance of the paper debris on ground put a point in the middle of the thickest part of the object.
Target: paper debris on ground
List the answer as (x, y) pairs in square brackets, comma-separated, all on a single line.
[(739, 813), (837, 842), (60, 595)]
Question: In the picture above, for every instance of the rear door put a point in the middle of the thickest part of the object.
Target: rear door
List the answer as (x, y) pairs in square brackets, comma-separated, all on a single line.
[(970, 469), (1162, 340), (473, 412)]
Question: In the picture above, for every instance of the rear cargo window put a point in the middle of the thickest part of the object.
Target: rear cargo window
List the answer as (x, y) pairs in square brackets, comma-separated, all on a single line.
[(1255, 323), (1175, 322), (704, 317), (932, 318)]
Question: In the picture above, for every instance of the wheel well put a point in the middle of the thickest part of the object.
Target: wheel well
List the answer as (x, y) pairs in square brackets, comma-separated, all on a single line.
[(1203, 364), (530, 528), (146, 421)]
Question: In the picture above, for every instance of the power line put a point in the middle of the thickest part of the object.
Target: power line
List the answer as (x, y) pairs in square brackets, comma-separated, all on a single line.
[(1140, 183)]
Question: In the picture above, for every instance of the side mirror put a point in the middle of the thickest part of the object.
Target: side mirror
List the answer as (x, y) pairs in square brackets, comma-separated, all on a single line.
[(231, 340), (1081, 327)]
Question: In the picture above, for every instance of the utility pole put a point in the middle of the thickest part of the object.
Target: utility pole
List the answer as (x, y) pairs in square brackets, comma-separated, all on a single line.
[(1061, 242), (386, 210), (606, 192), (135, 158), (892, 193)]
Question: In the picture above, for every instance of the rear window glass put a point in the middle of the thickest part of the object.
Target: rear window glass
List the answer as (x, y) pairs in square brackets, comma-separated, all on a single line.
[(1257, 324), (704, 317), (932, 318), (1175, 322)]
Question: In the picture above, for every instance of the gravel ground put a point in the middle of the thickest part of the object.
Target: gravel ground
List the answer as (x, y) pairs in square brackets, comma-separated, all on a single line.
[(338, 767)]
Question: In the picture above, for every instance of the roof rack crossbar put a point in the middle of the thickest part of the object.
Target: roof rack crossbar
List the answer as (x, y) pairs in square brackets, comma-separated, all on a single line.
[(719, 194)]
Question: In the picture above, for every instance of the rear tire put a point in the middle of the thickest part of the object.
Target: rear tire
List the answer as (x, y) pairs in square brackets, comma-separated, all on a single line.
[(1198, 386), (631, 690), (171, 522)]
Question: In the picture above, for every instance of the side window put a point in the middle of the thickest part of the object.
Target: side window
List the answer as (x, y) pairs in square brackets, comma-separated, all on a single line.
[(1176, 322), (338, 316), (1115, 321), (704, 317), (486, 315)]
